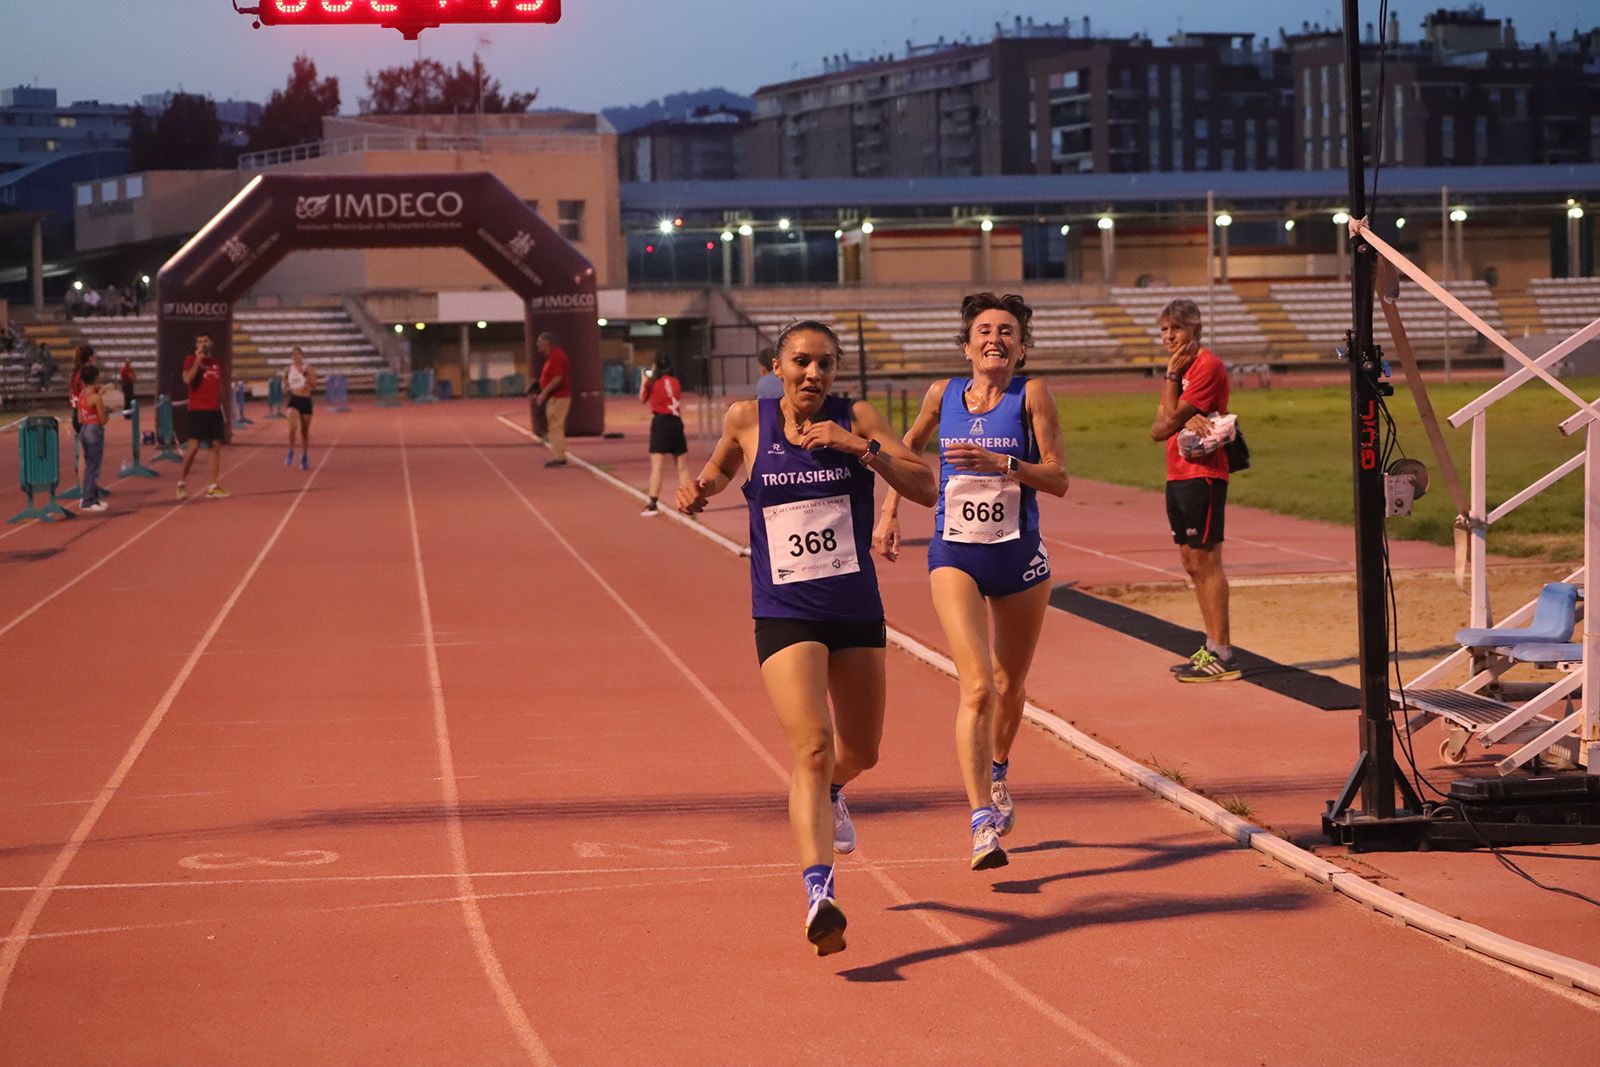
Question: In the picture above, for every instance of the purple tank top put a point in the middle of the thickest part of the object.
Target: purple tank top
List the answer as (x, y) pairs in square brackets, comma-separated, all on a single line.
[(810, 526)]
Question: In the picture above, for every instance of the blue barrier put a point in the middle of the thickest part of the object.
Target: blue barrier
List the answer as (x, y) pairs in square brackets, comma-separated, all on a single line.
[(338, 392), (166, 433), (513, 385), (480, 387), (132, 468), (275, 398), (39, 450), (240, 395), (420, 390), (386, 388)]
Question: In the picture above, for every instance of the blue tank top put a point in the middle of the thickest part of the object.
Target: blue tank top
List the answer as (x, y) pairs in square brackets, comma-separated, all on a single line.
[(810, 526), (1006, 430)]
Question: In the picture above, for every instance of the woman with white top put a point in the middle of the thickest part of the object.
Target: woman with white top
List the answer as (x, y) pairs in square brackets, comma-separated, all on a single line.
[(299, 382)]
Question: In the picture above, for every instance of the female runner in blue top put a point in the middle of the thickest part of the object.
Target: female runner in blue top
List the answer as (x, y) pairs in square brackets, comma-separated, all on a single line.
[(819, 626), (1000, 445)]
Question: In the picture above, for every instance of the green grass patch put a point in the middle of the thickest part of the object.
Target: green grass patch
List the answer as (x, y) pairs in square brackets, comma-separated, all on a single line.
[(1301, 459)]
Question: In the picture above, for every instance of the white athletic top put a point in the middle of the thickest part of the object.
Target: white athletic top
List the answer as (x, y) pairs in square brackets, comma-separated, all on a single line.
[(297, 378)]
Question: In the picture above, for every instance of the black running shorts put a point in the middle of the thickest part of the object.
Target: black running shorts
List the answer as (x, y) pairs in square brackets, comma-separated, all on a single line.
[(1195, 508), (207, 425), (775, 635)]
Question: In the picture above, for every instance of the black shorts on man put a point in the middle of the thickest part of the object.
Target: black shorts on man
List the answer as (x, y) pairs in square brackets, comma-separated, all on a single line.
[(302, 404), (1196, 508), (207, 426)]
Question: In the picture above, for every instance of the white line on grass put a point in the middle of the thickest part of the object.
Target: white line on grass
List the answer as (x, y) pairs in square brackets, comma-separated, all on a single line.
[(1071, 1026), (23, 927), (510, 1007)]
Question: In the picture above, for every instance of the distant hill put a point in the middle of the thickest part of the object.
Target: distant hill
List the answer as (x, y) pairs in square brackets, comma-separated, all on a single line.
[(674, 106)]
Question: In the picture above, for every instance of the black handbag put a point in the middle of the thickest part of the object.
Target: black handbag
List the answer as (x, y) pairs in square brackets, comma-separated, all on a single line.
[(1237, 451)]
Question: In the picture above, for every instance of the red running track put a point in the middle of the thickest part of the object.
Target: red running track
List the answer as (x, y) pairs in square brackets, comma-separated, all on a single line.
[(436, 756)]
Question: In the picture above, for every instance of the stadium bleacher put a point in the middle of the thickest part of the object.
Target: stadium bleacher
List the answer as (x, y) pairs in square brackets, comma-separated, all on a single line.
[(262, 340)]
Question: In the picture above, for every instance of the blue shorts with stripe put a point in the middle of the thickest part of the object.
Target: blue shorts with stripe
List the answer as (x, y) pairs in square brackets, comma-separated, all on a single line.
[(999, 569)]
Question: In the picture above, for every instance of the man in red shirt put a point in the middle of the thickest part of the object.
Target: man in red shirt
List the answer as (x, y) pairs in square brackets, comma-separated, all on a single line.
[(203, 376), (555, 394), (1195, 388)]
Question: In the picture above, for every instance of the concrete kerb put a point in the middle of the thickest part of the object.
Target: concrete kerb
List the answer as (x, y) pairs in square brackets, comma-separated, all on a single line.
[(1563, 970)]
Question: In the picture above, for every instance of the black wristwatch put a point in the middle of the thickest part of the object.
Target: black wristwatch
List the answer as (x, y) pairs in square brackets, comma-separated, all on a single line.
[(873, 447)]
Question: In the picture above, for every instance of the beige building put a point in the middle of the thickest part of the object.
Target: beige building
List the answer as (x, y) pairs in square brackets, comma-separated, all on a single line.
[(563, 164)]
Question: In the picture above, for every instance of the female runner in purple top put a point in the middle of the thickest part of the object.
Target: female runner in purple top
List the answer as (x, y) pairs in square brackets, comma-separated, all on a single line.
[(811, 459)]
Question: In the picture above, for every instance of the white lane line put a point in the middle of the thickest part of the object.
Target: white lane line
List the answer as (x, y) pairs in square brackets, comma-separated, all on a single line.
[(1169, 572), (1077, 1030), (617, 483), (109, 556), (510, 1007), (1483, 944), (18, 528), (546, 872), (1232, 537), (23, 927)]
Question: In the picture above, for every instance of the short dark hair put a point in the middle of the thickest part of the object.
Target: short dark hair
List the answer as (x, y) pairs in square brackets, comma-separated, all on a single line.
[(89, 373), (1182, 313), (767, 357), (805, 326), (975, 304)]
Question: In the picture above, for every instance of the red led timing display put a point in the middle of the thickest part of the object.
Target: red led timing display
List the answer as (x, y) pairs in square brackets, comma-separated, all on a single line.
[(405, 13)]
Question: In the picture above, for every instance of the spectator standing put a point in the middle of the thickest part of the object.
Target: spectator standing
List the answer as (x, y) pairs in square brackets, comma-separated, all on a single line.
[(1195, 388), (206, 422), (555, 395), (662, 391), (127, 377), (769, 386), (91, 408), (91, 302)]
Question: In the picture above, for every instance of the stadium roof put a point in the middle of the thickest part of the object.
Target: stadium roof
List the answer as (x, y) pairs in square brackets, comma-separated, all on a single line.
[(1096, 191)]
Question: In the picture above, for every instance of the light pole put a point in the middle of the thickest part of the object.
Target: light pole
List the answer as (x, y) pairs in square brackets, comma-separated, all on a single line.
[(1224, 221), (1574, 235), (1108, 249), (727, 259), (1341, 222), (1459, 216)]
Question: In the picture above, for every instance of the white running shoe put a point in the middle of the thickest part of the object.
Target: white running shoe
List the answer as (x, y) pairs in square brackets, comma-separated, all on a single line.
[(986, 851), (1005, 811), (844, 828), (825, 923)]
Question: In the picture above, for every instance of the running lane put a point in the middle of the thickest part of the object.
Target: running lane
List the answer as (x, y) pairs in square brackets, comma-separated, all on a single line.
[(614, 818)]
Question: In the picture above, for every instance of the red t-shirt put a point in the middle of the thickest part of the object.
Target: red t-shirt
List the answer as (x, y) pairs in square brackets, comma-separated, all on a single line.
[(665, 396), (88, 414), (556, 363), (206, 392), (127, 374), (1205, 386)]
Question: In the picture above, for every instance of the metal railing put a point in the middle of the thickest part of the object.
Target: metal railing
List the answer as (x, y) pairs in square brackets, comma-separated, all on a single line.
[(419, 141)]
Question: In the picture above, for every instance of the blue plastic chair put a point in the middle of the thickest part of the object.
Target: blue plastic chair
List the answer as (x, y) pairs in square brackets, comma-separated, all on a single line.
[(1554, 616)]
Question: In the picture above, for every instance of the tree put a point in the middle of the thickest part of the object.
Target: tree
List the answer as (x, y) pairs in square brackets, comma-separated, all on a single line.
[(427, 87), (185, 136), (294, 114)]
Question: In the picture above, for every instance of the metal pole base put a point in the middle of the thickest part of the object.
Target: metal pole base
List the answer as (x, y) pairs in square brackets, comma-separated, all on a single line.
[(136, 470), (166, 455), (47, 512)]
